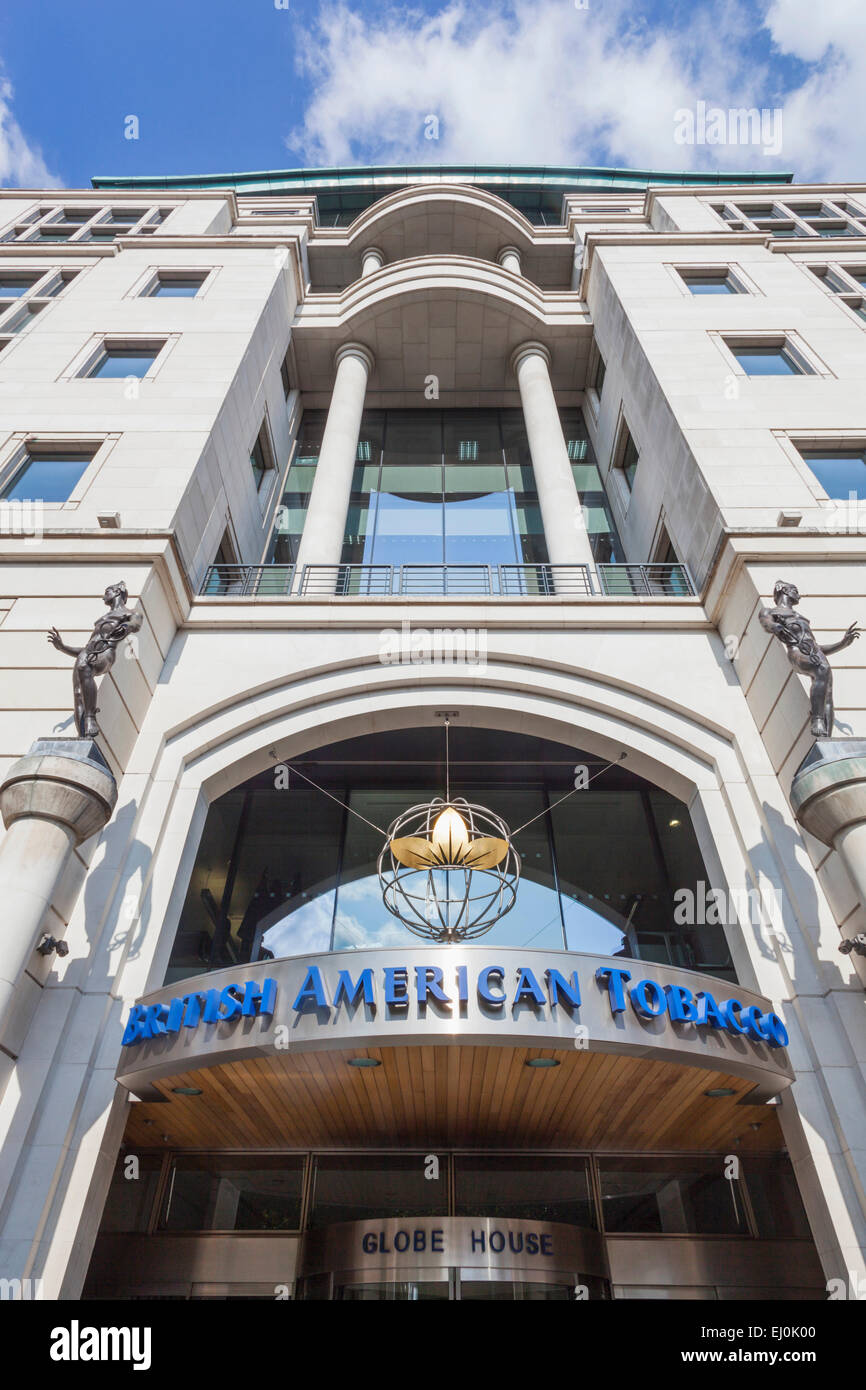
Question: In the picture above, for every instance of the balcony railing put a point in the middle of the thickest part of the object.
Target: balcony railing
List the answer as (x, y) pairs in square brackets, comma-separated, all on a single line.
[(465, 581), (658, 580)]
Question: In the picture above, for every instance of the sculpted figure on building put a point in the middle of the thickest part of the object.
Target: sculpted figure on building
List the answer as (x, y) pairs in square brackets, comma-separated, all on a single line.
[(804, 653), (98, 655)]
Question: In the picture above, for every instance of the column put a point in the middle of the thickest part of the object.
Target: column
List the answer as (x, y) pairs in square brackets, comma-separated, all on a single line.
[(371, 259), (561, 515), (509, 259), (325, 523), (53, 799), (828, 795)]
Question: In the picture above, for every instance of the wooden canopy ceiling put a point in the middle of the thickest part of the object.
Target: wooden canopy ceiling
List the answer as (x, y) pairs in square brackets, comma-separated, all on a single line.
[(453, 1096)]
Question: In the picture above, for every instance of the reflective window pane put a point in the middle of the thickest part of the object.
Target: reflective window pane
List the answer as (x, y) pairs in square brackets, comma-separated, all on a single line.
[(839, 472), (130, 1200), (47, 477), (670, 1196), (233, 1192), (523, 1187), (361, 1187)]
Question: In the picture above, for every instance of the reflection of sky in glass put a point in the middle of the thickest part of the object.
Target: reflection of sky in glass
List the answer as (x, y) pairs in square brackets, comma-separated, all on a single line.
[(586, 930), (303, 931), (362, 921), (362, 918)]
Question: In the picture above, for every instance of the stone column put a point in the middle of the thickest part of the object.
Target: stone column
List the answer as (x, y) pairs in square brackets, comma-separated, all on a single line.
[(58, 795), (371, 259), (509, 259), (828, 795), (325, 523), (562, 518)]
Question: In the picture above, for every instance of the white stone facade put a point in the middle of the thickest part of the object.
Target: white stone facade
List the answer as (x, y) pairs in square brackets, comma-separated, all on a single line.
[(448, 282)]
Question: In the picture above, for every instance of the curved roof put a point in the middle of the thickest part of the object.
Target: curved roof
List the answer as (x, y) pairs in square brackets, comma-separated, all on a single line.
[(551, 177)]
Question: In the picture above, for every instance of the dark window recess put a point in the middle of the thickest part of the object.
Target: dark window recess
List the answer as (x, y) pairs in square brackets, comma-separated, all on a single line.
[(237, 1192), (132, 1193), (630, 457), (776, 1201), (600, 373), (670, 1196), (260, 457), (284, 377), (363, 1187), (528, 1188)]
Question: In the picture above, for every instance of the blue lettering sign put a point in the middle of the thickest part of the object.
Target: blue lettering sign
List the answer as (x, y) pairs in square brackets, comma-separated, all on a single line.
[(561, 990), (614, 986), (396, 986), (364, 987), (485, 994), (312, 992), (528, 988), (681, 1004), (428, 981), (648, 999)]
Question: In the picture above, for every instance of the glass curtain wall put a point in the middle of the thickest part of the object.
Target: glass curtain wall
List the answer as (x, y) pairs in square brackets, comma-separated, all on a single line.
[(443, 487), (285, 870)]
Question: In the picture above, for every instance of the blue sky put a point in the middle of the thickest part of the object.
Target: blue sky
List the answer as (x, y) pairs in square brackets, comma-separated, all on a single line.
[(220, 85)]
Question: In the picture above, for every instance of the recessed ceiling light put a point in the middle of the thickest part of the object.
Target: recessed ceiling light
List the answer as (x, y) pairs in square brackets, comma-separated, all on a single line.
[(185, 1091), (364, 1062), (720, 1091), (542, 1062)]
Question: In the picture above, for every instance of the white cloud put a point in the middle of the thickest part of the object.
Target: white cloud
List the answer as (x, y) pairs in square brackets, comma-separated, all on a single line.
[(550, 83), (824, 117), (21, 164)]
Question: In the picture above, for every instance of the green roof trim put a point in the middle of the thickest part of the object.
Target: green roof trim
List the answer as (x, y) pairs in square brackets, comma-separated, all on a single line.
[(548, 176)]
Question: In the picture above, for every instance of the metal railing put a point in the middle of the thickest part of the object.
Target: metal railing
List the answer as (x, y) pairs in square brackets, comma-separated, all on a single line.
[(657, 580), (248, 581), (466, 581)]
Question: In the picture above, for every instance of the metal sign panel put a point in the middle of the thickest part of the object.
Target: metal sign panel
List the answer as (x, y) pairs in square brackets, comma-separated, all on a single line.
[(481, 995)]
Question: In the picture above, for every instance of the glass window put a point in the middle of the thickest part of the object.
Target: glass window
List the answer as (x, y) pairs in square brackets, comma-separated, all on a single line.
[(260, 458), (127, 215), (709, 282), (361, 1187), (761, 210), (839, 471), (233, 1192), (13, 286), (517, 1290), (775, 1197), (399, 1291), (48, 476), (123, 362), (285, 870), (767, 361), (169, 286), (670, 1196), (600, 372), (130, 1200), (525, 1187), (630, 457)]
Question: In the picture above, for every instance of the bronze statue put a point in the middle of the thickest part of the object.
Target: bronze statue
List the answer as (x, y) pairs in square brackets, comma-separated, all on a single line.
[(804, 653), (98, 656)]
